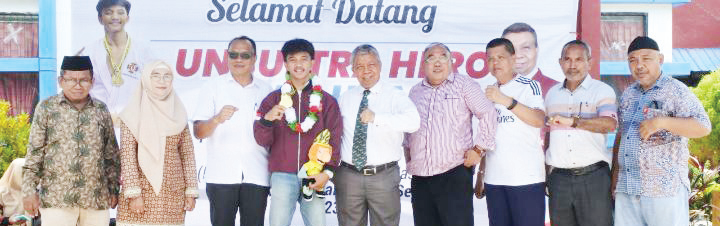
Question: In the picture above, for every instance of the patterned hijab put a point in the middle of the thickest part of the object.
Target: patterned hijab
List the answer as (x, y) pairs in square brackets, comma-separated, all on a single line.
[(11, 188), (151, 119)]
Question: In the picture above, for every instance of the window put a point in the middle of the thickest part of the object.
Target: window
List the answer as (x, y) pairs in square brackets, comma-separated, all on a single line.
[(19, 39), (618, 30), (18, 35)]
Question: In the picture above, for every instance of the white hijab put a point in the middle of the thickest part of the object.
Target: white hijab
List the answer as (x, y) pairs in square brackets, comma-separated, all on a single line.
[(151, 119), (11, 188)]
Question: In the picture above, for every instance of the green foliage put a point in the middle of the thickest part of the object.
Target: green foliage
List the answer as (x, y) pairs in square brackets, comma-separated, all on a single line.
[(704, 180), (14, 132), (708, 91)]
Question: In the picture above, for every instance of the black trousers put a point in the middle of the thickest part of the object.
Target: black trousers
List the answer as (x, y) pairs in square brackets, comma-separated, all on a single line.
[(580, 200), (227, 199), (444, 199)]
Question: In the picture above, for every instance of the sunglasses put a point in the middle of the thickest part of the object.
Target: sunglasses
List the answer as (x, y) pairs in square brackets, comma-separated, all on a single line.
[(235, 55)]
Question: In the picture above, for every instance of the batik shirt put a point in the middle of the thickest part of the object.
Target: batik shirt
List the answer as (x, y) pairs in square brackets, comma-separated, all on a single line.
[(72, 157), (656, 167)]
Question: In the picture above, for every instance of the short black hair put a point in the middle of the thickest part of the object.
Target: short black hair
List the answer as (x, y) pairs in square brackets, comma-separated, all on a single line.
[(103, 4), (252, 42), (501, 42), (296, 46), (521, 27)]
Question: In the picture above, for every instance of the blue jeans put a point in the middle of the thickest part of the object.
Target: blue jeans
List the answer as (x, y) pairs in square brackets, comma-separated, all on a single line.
[(284, 193), (634, 210)]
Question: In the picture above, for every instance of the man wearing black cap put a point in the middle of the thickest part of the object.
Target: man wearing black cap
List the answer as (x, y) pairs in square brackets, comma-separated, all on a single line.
[(72, 167), (657, 116)]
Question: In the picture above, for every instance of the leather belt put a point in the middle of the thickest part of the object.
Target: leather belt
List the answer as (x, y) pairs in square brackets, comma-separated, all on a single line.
[(579, 171), (370, 170)]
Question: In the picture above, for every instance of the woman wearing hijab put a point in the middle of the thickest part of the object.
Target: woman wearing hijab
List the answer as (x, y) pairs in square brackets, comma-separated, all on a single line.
[(11, 204), (158, 163)]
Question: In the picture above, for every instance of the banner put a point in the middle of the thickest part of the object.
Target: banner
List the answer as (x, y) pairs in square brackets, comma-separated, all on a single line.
[(193, 36)]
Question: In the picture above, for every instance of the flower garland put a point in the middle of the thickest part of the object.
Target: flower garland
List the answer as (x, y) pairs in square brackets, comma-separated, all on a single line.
[(316, 96)]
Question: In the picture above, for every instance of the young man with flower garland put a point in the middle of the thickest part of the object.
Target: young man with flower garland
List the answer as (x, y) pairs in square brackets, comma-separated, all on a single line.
[(289, 119)]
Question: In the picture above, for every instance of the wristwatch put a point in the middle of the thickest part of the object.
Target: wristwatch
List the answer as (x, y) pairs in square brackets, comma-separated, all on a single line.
[(576, 119)]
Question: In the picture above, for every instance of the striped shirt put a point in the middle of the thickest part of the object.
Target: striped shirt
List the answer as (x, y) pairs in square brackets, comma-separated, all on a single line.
[(572, 147), (656, 167), (446, 124)]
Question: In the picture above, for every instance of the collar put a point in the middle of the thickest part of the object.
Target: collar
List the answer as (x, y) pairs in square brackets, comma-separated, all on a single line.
[(377, 88), (230, 79), (532, 73), (450, 78), (584, 84), (308, 86), (516, 78), (63, 99), (662, 79)]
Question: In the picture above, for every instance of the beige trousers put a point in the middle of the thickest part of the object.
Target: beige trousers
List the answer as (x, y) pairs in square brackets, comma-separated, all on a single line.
[(74, 216)]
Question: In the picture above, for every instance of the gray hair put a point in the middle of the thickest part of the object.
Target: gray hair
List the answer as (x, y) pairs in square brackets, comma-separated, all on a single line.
[(587, 49), (92, 74), (447, 51), (365, 49)]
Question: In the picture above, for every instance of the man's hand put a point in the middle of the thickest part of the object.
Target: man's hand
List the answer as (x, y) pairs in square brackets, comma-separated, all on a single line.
[(493, 94), (225, 114), (32, 204), (137, 205), (651, 126), (320, 180), (189, 203), (113, 201), (275, 113), (471, 158), (559, 120), (367, 116)]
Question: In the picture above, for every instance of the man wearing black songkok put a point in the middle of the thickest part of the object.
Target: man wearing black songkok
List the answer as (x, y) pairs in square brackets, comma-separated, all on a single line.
[(72, 167), (650, 160)]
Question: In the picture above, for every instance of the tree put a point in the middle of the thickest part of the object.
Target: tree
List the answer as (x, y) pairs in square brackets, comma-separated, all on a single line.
[(708, 91)]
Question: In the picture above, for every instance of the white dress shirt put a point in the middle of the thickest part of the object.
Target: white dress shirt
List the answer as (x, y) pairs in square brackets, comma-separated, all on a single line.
[(233, 156), (395, 115)]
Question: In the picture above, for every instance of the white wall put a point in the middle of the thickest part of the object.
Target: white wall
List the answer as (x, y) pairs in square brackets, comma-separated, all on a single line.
[(659, 22), (64, 35), (19, 6)]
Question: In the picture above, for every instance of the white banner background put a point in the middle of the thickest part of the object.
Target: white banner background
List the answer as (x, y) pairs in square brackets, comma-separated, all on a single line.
[(172, 27)]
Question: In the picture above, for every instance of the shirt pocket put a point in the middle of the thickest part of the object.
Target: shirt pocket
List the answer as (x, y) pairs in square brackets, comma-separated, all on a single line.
[(452, 105)]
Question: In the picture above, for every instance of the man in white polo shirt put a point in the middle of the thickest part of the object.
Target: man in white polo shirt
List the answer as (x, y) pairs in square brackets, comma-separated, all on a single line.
[(582, 110), (237, 175), (515, 170)]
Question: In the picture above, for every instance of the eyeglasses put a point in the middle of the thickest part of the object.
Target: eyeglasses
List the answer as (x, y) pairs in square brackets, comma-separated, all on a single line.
[(435, 59), (363, 67), (157, 78), (235, 55), (73, 82)]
